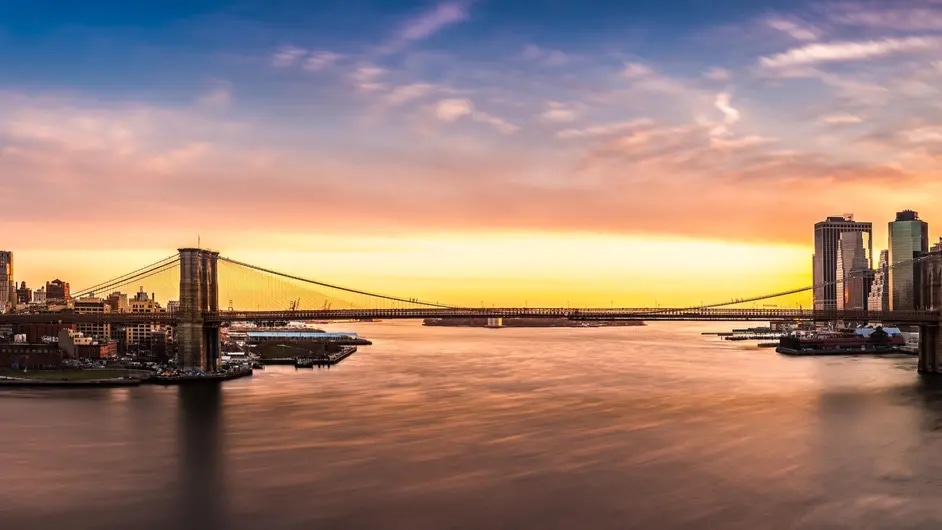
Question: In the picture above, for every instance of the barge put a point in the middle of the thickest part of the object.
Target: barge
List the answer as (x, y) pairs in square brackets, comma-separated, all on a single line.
[(860, 341)]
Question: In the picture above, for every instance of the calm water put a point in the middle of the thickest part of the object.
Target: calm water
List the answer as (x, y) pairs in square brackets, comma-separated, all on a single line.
[(440, 428)]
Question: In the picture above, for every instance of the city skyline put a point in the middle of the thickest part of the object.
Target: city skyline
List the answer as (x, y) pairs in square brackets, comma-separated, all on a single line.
[(452, 148)]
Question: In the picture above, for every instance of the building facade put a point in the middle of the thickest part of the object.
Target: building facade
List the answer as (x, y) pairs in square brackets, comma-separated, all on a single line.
[(827, 245), (24, 294), (879, 299), (142, 334), (7, 285), (854, 275), (909, 238), (39, 296), (99, 331), (57, 290)]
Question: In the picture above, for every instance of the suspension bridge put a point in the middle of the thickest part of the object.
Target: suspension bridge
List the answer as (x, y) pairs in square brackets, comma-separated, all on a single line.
[(204, 279)]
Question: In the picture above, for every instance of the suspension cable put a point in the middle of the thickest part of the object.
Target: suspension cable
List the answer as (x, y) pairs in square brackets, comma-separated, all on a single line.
[(146, 272), (337, 287)]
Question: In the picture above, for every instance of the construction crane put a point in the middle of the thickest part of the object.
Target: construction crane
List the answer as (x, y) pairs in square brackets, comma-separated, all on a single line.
[(294, 305)]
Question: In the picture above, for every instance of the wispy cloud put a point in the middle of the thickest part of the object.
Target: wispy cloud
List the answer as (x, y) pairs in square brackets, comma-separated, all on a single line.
[(718, 74), (889, 16), (319, 60), (451, 110), (544, 56), (219, 97), (366, 77), (791, 28), (606, 129), (841, 119), (557, 112), (287, 56), (428, 23), (406, 93), (847, 51)]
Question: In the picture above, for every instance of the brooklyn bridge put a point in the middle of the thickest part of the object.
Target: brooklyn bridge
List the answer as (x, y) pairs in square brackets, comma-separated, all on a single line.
[(199, 316)]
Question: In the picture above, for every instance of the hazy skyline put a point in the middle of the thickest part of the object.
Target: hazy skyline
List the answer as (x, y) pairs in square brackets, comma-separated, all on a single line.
[(448, 148)]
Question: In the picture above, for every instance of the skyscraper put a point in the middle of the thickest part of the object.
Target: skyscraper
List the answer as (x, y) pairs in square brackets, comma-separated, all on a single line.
[(854, 275), (879, 299), (7, 285), (909, 237), (827, 244)]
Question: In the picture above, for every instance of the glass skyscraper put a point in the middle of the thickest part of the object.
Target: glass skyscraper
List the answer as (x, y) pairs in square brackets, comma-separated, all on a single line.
[(909, 237), (879, 299), (827, 246)]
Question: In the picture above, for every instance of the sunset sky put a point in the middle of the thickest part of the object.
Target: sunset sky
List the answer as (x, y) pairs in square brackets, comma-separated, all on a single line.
[(541, 151)]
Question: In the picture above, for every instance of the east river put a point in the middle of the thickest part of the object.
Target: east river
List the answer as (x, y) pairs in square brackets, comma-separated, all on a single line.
[(454, 428)]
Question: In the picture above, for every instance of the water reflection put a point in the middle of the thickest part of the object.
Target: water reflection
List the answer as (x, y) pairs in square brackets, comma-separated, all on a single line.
[(654, 427), (202, 490)]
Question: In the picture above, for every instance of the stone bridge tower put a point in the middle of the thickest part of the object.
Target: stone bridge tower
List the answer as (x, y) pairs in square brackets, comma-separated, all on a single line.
[(930, 335), (198, 339)]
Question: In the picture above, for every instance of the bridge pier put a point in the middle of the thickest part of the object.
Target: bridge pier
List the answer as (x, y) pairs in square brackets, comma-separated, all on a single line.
[(930, 349), (198, 340)]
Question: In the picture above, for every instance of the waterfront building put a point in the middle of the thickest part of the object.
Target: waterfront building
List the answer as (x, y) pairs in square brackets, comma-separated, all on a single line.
[(909, 238), (879, 299), (57, 290), (7, 285), (854, 275), (827, 244)]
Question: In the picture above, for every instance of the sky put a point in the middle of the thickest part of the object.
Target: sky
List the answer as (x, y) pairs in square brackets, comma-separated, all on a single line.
[(547, 151)]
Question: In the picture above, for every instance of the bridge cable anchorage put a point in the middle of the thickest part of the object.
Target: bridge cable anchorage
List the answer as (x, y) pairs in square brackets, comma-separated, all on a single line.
[(132, 277), (414, 301), (852, 276)]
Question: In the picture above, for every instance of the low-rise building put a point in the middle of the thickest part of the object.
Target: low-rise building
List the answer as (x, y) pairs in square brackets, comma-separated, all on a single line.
[(100, 331), (30, 356)]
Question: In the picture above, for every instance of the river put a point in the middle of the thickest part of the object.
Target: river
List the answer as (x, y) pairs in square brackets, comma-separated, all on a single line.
[(453, 428)]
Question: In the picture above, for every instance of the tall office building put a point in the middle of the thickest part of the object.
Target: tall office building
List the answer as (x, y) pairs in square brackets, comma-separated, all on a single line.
[(909, 237), (827, 245), (57, 290), (854, 276), (879, 299), (7, 285)]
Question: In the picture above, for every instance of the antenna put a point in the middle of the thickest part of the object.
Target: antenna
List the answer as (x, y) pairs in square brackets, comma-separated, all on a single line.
[(198, 241)]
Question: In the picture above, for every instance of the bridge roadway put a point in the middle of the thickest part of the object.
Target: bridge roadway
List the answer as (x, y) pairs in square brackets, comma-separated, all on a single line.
[(588, 314)]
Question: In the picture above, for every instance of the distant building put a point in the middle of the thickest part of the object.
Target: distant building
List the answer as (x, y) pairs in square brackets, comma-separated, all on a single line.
[(937, 247), (24, 295), (879, 299), (118, 302), (173, 306), (827, 244), (100, 331), (37, 333), (909, 238), (70, 340), (854, 276), (142, 334), (39, 296), (7, 285), (57, 290)]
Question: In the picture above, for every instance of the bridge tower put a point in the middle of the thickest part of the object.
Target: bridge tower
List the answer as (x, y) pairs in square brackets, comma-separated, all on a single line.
[(197, 339), (930, 335)]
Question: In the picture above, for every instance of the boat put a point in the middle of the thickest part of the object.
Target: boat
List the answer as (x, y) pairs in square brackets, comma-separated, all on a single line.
[(304, 363), (845, 342)]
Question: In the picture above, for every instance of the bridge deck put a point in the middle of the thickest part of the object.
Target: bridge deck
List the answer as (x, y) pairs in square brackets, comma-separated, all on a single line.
[(649, 314)]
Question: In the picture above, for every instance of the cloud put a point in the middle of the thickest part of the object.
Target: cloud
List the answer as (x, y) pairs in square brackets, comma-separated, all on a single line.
[(451, 110), (636, 70), (319, 60), (891, 17), (366, 78), (792, 29), (847, 51), (428, 23), (219, 97), (841, 119), (287, 56), (557, 112), (406, 93), (545, 57), (607, 129), (730, 114), (718, 74)]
